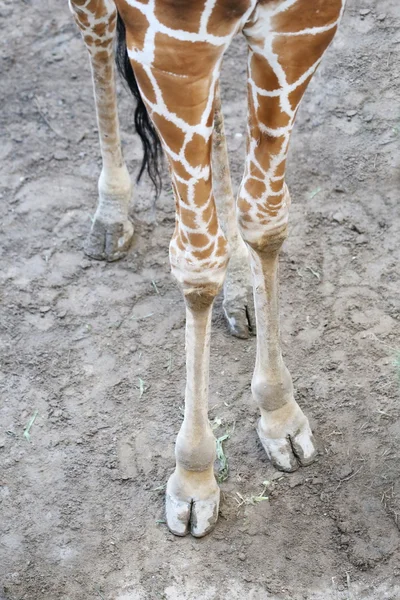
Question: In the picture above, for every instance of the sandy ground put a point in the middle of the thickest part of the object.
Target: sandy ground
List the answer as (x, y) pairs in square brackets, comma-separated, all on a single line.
[(82, 501)]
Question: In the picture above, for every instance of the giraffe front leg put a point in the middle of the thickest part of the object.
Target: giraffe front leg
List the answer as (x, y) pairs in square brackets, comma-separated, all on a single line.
[(283, 429), (192, 497), (281, 64), (111, 231), (177, 78)]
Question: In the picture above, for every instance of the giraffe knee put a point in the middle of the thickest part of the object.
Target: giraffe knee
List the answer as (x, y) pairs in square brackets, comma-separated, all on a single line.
[(199, 271), (263, 215)]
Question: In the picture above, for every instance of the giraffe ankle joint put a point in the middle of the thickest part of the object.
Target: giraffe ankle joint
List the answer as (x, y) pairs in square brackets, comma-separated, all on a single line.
[(265, 241), (193, 452), (201, 298), (115, 191), (271, 392), (200, 285)]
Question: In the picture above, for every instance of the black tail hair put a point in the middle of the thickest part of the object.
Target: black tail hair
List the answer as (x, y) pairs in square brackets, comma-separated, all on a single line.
[(152, 150)]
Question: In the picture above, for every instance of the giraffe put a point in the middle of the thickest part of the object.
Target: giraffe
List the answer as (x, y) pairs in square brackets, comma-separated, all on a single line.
[(174, 50)]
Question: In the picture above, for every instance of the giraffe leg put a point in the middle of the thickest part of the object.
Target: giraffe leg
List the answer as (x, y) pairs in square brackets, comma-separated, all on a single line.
[(111, 232), (238, 302), (192, 497), (281, 63), (177, 75)]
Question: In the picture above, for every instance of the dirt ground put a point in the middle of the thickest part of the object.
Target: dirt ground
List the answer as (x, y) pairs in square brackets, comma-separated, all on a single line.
[(98, 349)]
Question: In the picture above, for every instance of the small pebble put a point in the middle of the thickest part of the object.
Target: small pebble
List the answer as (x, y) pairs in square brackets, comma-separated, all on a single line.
[(276, 475), (338, 217), (381, 17), (242, 556), (59, 155), (345, 471), (295, 480)]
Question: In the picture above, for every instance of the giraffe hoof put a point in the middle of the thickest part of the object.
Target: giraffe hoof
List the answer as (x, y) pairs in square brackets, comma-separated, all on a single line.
[(196, 512), (238, 297), (289, 444), (109, 241), (241, 320)]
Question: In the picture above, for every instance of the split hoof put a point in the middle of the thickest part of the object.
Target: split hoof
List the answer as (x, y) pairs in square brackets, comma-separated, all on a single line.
[(109, 241), (288, 443), (192, 505)]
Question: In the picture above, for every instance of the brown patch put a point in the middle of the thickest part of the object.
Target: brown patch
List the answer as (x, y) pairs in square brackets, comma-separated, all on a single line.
[(261, 218), (243, 206), (198, 151), (193, 59), (225, 16), (187, 98), (298, 53), (183, 72), (212, 227), (273, 201), (271, 143), (297, 94), (245, 217), (136, 24), (276, 186), (255, 171), (188, 217), (98, 9), (184, 237), (170, 133), (82, 20), (262, 74), (305, 14), (100, 29), (269, 112), (112, 23), (183, 191), (202, 191), (180, 14), (281, 169), (88, 39), (202, 254), (255, 188), (209, 211), (222, 246), (106, 43), (199, 240), (210, 118), (143, 81), (178, 168)]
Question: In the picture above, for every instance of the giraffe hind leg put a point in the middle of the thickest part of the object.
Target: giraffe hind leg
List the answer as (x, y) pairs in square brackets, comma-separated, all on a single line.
[(281, 64), (238, 302), (111, 231)]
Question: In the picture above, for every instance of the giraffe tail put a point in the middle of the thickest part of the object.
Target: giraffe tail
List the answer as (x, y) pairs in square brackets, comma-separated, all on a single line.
[(152, 150)]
